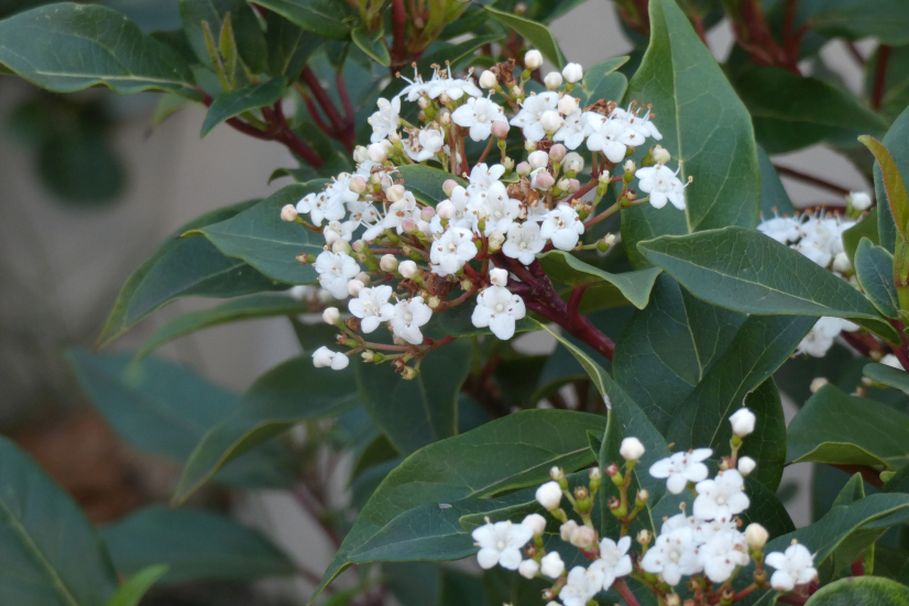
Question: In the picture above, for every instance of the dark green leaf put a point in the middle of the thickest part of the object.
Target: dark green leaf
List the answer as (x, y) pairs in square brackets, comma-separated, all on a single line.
[(165, 409), (233, 103), (260, 238), (283, 397), (372, 45), (425, 182), (51, 554), (132, 591), (774, 199), (603, 82), (289, 46), (536, 34), (865, 590), (415, 413), (705, 127), (635, 286), (321, 17), (245, 308), (874, 272), (67, 47), (886, 20), (866, 228), (195, 544), (182, 267), (835, 428), (892, 377)]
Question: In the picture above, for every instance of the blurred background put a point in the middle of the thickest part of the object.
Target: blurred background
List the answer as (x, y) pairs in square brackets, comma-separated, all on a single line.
[(91, 183)]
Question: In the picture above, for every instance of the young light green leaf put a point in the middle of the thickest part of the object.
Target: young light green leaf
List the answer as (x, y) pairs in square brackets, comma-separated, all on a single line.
[(233, 103), (894, 186), (896, 142), (566, 268), (536, 34), (131, 592), (195, 544), (874, 272), (327, 18), (372, 44), (50, 551), (868, 590), (67, 47)]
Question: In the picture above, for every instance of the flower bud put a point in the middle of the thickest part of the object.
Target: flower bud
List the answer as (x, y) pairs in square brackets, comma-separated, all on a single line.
[(388, 263), (409, 226), (542, 180), (289, 213), (631, 449), (528, 569), (583, 537), (552, 80), (573, 163), (517, 91), (395, 192), (557, 152), (859, 200), (629, 167), (408, 269), (378, 152), (568, 105), (427, 213), (363, 277), (488, 80), (535, 523), (573, 72), (357, 184), (360, 155), (644, 537), (354, 287), (500, 129), (817, 383), (445, 209), (444, 117), (552, 565), (746, 465), (449, 186), (498, 276), (567, 529), (533, 59), (660, 154), (538, 159), (549, 495), (603, 179), (556, 473), (756, 535), (673, 599), (423, 103), (742, 422), (495, 240), (523, 168), (841, 263), (340, 246), (551, 120), (331, 315)]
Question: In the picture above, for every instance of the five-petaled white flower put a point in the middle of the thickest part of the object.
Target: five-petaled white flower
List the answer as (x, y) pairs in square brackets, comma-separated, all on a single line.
[(681, 468), (372, 307), (499, 309), (662, 184), (722, 497), (794, 567), (523, 241), (722, 553), (614, 561), (335, 270), (385, 120), (562, 227), (611, 137), (673, 555), (407, 317), (500, 543), (582, 584), (529, 119), (478, 115), (451, 251), (424, 144)]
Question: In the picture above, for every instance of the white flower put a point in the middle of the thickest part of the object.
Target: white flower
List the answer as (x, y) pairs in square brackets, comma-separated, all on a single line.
[(552, 565), (441, 84), (821, 336), (746, 465), (794, 567), (326, 358), (385, 120), (335, 270), (451, 251), (640, 124), (320, 206), (722, 497), (582, 585), (499, 277), (574, 130), (562, 226), (532, 109), (528, 569), (499, 309), (424, 144), (523, 241), (478, 114), (372, 307), (682, 468), (535, 522), (722, 554), (742, 422), (335, 230), (549, 495), (500, 543), (631, 449), (860, 200), (533, 59), (662, 184), (782, 229), (407, 318), (496, 208), (614, 561), (756, 535), (608, 136), (673, 555), (573, 72), (822, 238), (401, 211)]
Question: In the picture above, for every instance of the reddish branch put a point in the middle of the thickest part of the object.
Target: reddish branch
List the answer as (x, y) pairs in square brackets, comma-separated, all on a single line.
[(399, 33), (753, 34), (623, 590), (880, 76), (796, 174), (342, 127), (868, 474)]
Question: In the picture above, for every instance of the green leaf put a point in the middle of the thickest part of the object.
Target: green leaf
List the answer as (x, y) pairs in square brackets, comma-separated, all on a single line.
[(774, 199), (165, 409), (325, 18), (704, 125), (864, 590), (67, 47), (414, 514), (835, 428), (886, 181), (425, 182), (233, 103), (423, 410), (372, 45), (182, 267), (744, 270), (886, 20), (874, 272), (288, 394), (261, 239), (245, 308), (635, 286), (536, 34), (791, 111), (867, 227), (195, 544), (51, 554), (289, 46), (132, 591), (230, 21), (603, 82), (892, 377), (894, 186)]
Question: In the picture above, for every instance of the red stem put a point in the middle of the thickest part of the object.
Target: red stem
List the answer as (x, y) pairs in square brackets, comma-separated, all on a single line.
[(398, 30), (880, 76), (623, 590), (868, 474), (317, 117), (342, 127), (795, 174)]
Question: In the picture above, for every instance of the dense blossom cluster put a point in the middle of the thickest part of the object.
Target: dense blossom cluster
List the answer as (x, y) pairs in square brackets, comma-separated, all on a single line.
[(707, 546), (819, 237), (402, 254)]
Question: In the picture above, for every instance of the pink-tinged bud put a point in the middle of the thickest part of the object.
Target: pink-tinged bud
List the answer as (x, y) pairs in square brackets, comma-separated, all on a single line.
[(445, 209), (427, 213), (395, 192), (523, 168), (410, 226), (289, 213), (449, 186), (538, 159), (542, 180), (573, 186), (557, 152), (500, 129), (408, 269), (363, 277), (388, 263)]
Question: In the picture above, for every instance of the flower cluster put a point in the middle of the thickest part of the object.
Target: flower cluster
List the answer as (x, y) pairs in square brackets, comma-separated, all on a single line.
[(819, 237), (401, 253), (708, 546)]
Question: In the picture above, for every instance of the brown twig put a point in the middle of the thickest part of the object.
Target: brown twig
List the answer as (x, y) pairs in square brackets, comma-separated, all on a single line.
[(623, 590), (880, 76), (817, 181), (398, 31), (343, 129)]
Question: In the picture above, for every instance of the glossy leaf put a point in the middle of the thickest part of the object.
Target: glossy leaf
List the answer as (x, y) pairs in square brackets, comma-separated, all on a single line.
[(705, 127), (234, 28), (244, 308), (288, 394), (182, 267), (867, 227), (135, 587), (886, 20), (874, 271), (261, 239), (233, 103), (894, 186), (603, 82), (51, 554), (835, 428), (195, 544), (321, 17), (774, 199), (537, 35), (896, 142), (289, 46), (865, 590), (889, 376), (566, 268), (373, 46), (165, 409), (425, 182), (67, 47), (417, 412)]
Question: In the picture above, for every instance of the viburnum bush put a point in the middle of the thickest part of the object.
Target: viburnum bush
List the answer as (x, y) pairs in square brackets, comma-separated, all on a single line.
[(465, 199)]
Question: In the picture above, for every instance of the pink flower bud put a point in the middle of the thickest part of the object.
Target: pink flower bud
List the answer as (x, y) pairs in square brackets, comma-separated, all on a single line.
[(500, 129), (557, 152), (289, 213), (448, 186), (445, 209)]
